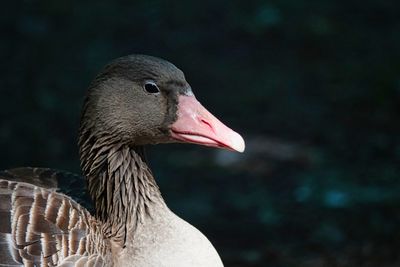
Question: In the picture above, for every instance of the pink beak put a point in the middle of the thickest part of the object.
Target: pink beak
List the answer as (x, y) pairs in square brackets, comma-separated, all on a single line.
[(197, 125)]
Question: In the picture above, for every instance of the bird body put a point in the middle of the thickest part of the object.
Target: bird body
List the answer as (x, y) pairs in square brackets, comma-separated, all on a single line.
[(134, 101), (175, 239)]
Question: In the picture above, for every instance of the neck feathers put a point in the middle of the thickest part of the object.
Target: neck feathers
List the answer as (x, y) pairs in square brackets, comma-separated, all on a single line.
[(120, 183)]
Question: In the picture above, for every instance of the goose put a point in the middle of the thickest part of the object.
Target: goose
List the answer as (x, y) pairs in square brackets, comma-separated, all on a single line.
[(136, 100)]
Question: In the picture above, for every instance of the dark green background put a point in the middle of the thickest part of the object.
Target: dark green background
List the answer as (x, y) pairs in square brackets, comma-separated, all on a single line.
[(313, 86)]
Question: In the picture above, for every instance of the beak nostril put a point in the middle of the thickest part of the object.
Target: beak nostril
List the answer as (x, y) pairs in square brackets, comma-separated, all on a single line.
[(207, 123)]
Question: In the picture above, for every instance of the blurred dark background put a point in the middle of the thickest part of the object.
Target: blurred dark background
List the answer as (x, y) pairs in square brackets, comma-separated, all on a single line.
[(313, 86)]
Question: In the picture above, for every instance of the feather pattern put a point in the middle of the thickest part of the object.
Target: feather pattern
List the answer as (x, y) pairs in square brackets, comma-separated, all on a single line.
[(40, 227), (43, 227), (120, 183)]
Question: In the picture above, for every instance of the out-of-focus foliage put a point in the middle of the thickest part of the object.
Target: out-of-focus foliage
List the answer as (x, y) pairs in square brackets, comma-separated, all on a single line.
[(314, 87)]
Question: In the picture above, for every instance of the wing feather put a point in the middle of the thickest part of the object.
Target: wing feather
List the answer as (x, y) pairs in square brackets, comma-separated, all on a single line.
[(41, 227), (65, 182)]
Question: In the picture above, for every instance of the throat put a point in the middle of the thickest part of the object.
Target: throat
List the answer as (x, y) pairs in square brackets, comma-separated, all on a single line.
[(121, 185)]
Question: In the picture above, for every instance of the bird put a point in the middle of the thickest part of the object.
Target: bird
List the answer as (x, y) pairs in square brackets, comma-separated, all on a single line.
[(134, 101)]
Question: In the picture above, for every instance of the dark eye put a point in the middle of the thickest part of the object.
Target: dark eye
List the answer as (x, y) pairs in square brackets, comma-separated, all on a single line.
[(151, 87)]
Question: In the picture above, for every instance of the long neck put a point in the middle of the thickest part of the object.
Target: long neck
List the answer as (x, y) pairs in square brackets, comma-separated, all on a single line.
[(120, 183)]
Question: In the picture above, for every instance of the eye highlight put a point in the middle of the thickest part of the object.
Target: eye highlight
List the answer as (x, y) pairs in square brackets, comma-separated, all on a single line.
[(151, 87)]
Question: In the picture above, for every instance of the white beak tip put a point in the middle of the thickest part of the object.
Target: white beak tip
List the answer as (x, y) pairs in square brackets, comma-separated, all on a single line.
[(238, 143)]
